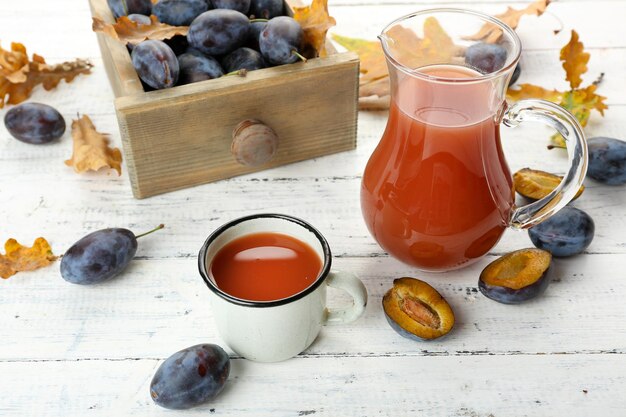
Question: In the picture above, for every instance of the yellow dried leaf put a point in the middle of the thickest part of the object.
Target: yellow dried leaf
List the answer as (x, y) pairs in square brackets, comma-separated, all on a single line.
[(19, 75), (127, 31), (315, 22), (491, 33), (91, 149), (525, 91), (574, 60), (580, 102), (373, 65), (19, 258), (435, 47)]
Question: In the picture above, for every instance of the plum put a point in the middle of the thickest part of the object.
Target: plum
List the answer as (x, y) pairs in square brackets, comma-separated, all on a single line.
[(486, 57), (218, 31), (534, 184), (34, 123), (126, 7), (416, 310), (194, 67), (516, 277), (607, 160), (516, 73), (190, 377), (243, 58), (179, 12), (156, 64), (266, 9), (568, 232), (100, 255)]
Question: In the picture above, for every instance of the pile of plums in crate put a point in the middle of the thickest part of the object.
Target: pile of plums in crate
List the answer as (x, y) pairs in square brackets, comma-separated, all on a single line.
[(225, 37)]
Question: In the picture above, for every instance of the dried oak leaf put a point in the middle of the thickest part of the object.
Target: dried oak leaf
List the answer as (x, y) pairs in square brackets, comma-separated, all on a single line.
[(491, 33), (91, 149), (578, 101), (315, 22), (20, 258), (435, 46), (127, 31), (574, 60), (19, 75)]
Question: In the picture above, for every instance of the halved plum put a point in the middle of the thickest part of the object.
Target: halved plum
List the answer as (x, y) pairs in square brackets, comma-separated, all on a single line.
[(516, 277), (416, 310), (535, 184)]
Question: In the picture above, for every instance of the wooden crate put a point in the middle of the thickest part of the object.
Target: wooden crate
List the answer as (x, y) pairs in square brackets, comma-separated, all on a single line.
[(182, 136)]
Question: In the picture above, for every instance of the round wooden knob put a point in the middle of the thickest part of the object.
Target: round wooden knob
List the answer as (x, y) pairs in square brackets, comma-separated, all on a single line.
[(254, 143)]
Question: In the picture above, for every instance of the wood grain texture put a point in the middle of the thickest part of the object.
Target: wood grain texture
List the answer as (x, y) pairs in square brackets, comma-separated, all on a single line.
[(161, 305), (74, 351), (182, 137), (474, 386)]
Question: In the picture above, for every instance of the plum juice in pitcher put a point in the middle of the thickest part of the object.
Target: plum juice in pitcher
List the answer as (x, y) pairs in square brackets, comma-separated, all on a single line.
[(437, 190)]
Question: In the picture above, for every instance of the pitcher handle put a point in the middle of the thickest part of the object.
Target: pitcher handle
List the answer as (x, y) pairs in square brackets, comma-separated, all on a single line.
[(554, 116)]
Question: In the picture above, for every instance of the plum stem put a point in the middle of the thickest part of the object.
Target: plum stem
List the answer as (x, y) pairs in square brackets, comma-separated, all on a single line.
[(296, 53), (258, 20), (159, 227), (240, 72)]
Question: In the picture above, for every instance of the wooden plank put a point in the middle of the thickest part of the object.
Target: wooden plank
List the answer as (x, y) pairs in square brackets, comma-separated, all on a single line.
[(159, 306), (475, 386), (122, 75)]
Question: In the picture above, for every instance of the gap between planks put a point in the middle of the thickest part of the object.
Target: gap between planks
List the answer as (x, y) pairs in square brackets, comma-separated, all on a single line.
[(420, 353)]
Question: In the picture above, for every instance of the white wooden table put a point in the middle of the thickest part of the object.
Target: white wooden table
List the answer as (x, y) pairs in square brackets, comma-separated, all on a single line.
[(67, 350)]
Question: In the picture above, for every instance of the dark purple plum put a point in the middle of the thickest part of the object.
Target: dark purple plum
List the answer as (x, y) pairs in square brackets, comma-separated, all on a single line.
[(266, 9), (485, 57), (190, 377), (156, 64), (196, 67), (281, 40), (179, 12), (607, 160), (253, 35), (516, 277), (34, 123), (126, 7), (219, 31), (567, 233), (140, 19), (178, 44), (242, 6), (243, 58), (100, 255), (516, 73)]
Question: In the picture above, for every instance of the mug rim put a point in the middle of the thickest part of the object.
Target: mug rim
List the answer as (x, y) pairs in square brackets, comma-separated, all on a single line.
[(202, 262), (454, 10)]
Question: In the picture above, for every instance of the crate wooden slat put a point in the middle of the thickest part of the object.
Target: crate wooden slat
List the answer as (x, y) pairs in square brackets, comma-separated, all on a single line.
[(181, 137)]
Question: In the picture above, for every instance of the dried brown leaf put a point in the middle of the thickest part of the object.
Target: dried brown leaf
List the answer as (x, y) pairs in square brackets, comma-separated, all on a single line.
[(491, 33), (315, 22), (20, 258), (575, 60), (127, 31), (436, 46), (19, 75), (91, 149)]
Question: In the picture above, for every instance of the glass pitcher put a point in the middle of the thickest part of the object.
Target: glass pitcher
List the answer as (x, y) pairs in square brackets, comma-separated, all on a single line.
[(437, 192)]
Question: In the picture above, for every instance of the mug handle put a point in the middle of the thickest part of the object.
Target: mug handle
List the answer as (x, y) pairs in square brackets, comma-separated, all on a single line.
[(560, 119), (354, 287)]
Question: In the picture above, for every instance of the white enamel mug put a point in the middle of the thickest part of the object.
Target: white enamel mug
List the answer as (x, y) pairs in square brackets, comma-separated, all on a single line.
[(272, 331)]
